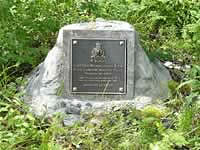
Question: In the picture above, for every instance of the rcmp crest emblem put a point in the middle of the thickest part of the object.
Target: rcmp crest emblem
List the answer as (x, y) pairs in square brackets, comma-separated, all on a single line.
[(97, 54)]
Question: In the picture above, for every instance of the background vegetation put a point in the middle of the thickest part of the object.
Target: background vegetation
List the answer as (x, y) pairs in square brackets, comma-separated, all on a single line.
[(169, 30)]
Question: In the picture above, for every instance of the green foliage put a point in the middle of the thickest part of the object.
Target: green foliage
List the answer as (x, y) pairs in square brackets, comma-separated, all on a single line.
[(169, 30), (127, 128), (153, 111), (28, 28), (171, 140)]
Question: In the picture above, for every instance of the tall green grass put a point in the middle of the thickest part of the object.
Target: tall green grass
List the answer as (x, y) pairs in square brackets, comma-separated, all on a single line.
[(169, 30)]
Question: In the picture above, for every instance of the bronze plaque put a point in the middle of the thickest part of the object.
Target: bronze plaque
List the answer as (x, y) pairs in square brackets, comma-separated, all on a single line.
[(98, 66)]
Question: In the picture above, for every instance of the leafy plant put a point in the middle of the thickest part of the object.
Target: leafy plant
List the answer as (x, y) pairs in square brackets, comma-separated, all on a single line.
[(171, 140), (169, 31)]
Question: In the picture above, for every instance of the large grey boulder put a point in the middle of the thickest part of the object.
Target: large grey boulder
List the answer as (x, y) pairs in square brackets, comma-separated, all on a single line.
[(43, 92)]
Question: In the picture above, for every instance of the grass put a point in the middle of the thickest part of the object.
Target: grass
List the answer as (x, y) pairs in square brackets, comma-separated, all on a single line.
[(175, 126), (169, 31)]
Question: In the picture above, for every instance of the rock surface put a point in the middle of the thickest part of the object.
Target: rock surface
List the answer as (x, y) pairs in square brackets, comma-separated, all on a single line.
[(42, 91)]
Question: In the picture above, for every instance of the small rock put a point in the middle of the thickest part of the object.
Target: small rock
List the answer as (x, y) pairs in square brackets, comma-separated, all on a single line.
[(168, 64), (71, 119), (71, 109), (95, 121)]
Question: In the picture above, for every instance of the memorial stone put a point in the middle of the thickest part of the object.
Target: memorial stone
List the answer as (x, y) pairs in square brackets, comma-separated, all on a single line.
[(95, 66)]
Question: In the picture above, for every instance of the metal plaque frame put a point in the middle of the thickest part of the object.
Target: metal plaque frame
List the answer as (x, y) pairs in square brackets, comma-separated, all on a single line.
[(125, 68)]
